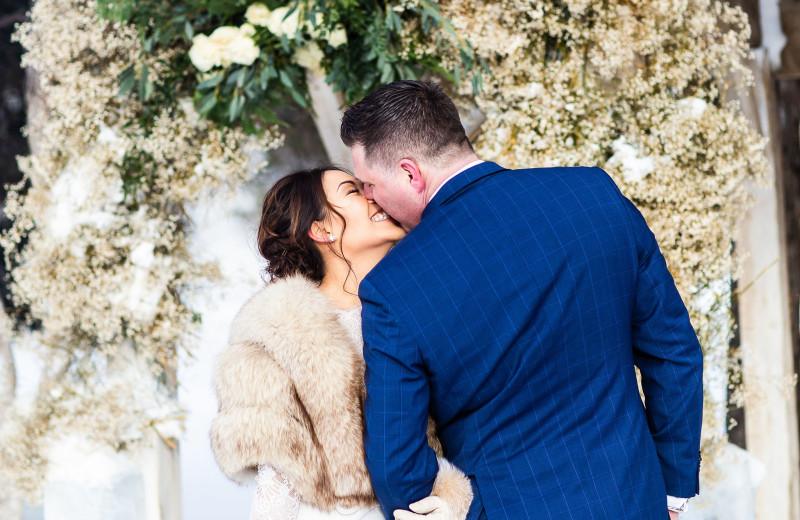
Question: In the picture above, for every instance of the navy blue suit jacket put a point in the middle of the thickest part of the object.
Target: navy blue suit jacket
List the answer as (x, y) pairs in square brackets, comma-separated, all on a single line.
[(514, 314)]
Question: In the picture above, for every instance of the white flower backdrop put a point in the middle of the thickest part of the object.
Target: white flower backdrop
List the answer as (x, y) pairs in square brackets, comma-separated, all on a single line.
[(128, 257)]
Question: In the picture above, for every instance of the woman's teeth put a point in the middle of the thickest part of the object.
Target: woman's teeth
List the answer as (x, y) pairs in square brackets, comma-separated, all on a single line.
[(379, 217)]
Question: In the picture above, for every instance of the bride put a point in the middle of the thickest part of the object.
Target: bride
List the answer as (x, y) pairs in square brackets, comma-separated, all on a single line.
[(290, 383)]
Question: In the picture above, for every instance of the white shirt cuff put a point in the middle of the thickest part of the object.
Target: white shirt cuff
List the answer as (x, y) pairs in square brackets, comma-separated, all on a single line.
[(678, 505)]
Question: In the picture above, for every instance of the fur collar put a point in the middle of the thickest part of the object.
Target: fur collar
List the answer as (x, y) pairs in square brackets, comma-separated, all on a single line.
[(290, 386)]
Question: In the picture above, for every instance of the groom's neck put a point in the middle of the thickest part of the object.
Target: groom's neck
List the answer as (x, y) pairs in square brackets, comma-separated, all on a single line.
[(436, 178)]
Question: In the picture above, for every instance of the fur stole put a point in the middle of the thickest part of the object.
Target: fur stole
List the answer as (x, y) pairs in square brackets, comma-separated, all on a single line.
[(290, 387)]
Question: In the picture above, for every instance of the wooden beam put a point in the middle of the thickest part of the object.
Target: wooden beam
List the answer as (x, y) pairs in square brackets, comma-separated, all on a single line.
[(764, 322), (327, 111)]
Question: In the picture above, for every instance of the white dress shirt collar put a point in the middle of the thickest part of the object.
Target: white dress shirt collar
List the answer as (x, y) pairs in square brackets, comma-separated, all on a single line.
[(467, 167)]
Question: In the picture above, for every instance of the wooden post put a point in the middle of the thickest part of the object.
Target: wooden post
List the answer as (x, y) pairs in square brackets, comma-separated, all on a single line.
[(327, 110), (10, 506), (770, 407), (161, 478)]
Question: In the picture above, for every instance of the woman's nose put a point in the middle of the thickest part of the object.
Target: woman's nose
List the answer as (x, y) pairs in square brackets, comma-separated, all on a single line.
[(368, 192)]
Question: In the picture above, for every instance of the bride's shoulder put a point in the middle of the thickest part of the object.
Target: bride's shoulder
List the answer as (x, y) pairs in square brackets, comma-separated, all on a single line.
[(285, 305)]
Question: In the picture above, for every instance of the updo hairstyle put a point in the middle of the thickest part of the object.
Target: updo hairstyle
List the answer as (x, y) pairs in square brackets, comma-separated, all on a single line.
[(289, 210)]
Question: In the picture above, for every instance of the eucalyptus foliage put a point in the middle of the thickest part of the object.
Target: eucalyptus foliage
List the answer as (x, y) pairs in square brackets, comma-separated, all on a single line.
[(383, 45)]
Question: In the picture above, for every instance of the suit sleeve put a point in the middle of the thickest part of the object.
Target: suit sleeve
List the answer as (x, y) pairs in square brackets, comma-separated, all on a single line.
[(670, 359), (402, 466)]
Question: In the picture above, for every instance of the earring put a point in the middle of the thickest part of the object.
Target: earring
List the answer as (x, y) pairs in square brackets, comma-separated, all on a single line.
[(331, 238)]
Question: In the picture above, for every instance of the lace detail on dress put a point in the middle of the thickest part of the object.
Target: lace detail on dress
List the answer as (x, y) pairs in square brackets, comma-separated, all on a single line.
[(351, 321), (275, 498)]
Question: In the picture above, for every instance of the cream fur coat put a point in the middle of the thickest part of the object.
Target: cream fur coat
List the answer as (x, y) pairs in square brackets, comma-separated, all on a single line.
[(290, 387)]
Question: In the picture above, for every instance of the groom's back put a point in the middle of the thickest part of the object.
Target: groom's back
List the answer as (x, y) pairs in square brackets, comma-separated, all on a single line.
[(518, 288)]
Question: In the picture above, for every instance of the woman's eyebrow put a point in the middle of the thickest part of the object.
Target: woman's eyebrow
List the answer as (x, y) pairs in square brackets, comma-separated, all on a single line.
[(346, 182)]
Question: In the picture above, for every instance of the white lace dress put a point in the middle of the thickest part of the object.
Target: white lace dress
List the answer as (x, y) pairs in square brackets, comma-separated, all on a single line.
[(276, 499)]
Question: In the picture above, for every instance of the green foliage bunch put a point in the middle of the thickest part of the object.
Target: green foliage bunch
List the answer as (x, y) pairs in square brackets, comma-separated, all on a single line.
[(357, 45)]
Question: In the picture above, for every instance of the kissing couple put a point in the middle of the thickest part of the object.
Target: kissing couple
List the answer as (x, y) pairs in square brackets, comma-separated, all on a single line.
[(445, 338)]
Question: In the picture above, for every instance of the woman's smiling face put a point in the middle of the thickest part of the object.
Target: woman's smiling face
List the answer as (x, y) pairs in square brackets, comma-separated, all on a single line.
[(367, 225)]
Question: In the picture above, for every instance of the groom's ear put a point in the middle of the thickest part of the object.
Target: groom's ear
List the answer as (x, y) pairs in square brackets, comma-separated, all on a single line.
[(411, 169)]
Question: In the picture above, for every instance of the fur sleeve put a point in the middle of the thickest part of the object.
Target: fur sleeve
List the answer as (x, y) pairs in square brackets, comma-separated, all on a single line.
[(451, 484), (262, 421)]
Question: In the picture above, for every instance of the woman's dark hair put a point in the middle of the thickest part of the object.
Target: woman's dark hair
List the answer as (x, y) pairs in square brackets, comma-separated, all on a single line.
[(289, 210)]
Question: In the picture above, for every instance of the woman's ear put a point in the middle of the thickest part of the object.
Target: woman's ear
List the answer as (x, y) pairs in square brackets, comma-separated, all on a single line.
[(319, 235)]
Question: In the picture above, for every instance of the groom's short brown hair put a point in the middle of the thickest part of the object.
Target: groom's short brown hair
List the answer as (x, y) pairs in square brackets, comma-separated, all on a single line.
[(414, 119)]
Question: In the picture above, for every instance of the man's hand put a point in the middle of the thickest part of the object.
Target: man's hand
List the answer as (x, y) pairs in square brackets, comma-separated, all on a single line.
[(430, 508), (673, 515)]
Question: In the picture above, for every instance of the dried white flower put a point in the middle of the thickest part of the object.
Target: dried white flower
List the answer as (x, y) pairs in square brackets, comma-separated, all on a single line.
[(635, 76), (692, 106), (105, 269), (626, 156)]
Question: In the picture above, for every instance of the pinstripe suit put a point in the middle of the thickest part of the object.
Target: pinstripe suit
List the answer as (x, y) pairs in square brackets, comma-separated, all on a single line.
[(514, 314)]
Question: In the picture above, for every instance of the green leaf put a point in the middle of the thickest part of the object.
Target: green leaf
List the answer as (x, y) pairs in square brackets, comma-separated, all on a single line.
[(267, 73), (392, 20), (252, 88), (235, 77), (143, 80), (299, 98), (116, 10), (208, 102), (387, 74), (449, 27), (148, 89), (188, 30), (127, 79), (286, 80), (235, 108), (248, 126), (211, 82)]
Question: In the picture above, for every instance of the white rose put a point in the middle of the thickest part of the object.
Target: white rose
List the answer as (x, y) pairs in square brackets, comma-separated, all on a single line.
[(257, 14), (315, 29), (242, 50), (247, 29), (234, 47), (279, 27), (309, 56), (222, 36), (205, 54), (338, 37)]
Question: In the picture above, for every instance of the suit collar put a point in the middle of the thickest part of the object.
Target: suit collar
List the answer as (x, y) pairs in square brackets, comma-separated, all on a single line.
[(455, 185)]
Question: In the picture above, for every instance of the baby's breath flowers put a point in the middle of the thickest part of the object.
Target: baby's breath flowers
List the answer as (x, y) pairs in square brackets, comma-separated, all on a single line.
[(639, 89), (97, 249)]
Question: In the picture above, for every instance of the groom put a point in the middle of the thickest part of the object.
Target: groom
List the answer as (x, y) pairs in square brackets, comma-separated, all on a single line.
[(513, 313)]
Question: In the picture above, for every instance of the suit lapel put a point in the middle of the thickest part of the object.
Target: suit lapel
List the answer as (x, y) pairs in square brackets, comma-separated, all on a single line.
[(455, 186)]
